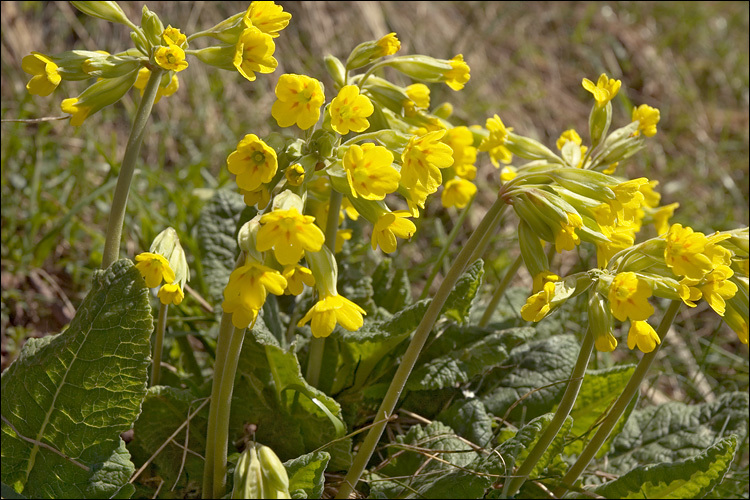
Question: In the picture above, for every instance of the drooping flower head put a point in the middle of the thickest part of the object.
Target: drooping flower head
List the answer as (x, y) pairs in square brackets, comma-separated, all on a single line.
[(647, 118), (79, 111), (605, 89), (392, 225), (349, 110), (254, 52), (267, 17), (419, 93), (289, 233), (329, 311), (46, 77), (296, 278), (173, 36), (253, 162), (370, 172), (539, 305), (628, 297), (494, 144), (171, 293), (154, 268), (458, 75), (423, 157), (246, 291), (692, 254), (457, 193), (388, 45), (299, 99), (641, 334)]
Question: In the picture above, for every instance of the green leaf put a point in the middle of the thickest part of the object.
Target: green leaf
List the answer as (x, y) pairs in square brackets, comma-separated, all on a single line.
[(469, 418), (537, 372), (74, 393), (164, 410), (306, 474), (690, 478), (271, 393), (675, 431), (462, 364), (217, 239), (391, 287), (600, 388), (459, 300), (400, 324)]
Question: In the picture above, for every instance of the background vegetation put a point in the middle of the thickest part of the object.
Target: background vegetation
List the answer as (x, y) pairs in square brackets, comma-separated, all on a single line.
[(689, 59)]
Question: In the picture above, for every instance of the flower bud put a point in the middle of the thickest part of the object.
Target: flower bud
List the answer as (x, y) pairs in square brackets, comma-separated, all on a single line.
[(336, 69), (274, 472), (248, 476), (286, 200), (530, 149), (601, 322), (534, 256), (444, 110), (527, 212), (295, 174), (587, 183), (419, 67), (599, 120), (152, 27), (167, 244), (387, 94), (109, 11), (220, 56), (325, 271), (109, 66), (367, 52), (619, 145), (246, 238), (100, 94)]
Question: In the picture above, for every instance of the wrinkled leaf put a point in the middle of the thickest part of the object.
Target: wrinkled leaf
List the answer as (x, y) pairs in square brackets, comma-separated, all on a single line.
[(77, 391), (459, 300), (469, 418), (306, 474)]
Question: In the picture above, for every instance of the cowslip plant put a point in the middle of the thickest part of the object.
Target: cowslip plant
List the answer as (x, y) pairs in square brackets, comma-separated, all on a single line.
[(288, 256)]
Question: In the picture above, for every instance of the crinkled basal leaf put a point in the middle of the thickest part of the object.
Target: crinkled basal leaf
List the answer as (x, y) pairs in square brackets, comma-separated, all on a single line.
[(469, 418), (217, 239), (74, 394), (391, 287), (306, 474), (400, 324), (416, 475), (690, 478), (459, 300), (462, 364), (164, 410), (599, 389), (537, 371), (675, 431), (271, 393)]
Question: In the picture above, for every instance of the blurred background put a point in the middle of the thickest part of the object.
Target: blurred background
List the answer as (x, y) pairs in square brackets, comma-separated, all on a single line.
[(527, 59)]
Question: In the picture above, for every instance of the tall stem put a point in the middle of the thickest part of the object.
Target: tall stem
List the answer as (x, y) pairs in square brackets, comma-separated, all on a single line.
[(161, 325), (317, 345), (500, 291), (563, 410), (224, 405), (414, 349), (446, 247), (120, 200), (620, 405)]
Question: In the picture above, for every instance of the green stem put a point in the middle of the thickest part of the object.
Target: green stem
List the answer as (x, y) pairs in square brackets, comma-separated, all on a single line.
[(224, 403), (125, 177), (222, 351), (500, 291), (318, 345), (563, 410), (448, 242), (161, 325), (620, 405), (414, 349)]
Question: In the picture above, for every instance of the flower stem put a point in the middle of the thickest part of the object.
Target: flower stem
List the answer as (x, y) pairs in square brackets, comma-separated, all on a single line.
[(317, 345), (161, 325), (414, 349), (500, 291), (563, 410), (620, 405), (125, 177), (224, 404), (222, 350), (446, 247)]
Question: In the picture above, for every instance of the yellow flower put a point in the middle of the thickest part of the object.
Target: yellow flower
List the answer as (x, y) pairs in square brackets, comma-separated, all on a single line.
[(566, 237), (458, 75), (620, 235), (171, 294), (295, 174), (604, 90), (299, 99), (349, 110), (260, 197), (569, 135), (154, 268), (647, 118), (422, 159), (419, 93), (628, 297), (538, 305), (330, 310), (253, 162), (457, 193), (370, 172), (46, 77), (267, 17), (246, 291), (79, 112), (605, 342), (494, 144), (737, 322), (388, 45), (688, 291), (296, 278), (508, 173), (289, 233), (144, 74), (173, 36), (389, 226), (254, 52), (461, 140), (716, 287), (171, 58), (641, 334), (661, 217), (691, 254), (542, 279)]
